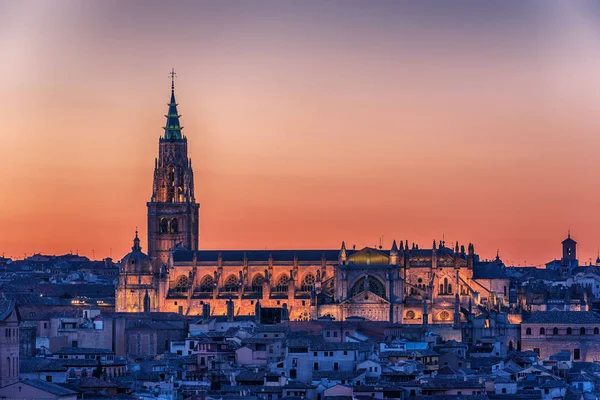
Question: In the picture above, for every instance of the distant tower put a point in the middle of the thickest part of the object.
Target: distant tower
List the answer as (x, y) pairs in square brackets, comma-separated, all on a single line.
[(569, 255), (172, 209), (569, 247)]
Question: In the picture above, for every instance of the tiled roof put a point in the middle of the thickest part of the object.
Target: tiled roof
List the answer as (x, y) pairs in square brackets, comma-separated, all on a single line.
[(563, 317), (491, 270), (93, 382), (29, 365), (451, 383), (248, 375), (564, 355), (49, 387), (83, 350), (335, 375), (256, 255)]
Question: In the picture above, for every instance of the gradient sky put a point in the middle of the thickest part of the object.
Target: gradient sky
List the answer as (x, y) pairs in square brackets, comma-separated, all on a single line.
[(308, 122)]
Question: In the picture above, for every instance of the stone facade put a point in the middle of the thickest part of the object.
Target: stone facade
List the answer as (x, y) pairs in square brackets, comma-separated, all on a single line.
[(9, 343), (399, 285), (548, 332)]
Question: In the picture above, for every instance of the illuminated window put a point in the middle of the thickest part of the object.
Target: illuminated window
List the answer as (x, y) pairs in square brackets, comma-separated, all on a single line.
[(375, 286), (181, 284), (282, 284), (206, 284), (231, 284), (174, 226), (257, 283), (308, 283), (163, 226)]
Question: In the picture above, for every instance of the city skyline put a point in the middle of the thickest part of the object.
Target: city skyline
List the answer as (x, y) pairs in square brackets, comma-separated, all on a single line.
[(355, 130)]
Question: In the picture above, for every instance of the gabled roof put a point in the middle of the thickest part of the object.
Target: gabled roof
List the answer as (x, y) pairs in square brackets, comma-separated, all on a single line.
[(6, 308)]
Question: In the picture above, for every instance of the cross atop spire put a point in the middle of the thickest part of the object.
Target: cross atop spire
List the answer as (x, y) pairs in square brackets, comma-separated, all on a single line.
[(173, 75)]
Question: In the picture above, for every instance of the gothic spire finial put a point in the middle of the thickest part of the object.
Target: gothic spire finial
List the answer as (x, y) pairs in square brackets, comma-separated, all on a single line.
[(173, 128)]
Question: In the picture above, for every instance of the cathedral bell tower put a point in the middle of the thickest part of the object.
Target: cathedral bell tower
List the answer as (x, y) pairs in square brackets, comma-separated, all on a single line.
[(172, 209)]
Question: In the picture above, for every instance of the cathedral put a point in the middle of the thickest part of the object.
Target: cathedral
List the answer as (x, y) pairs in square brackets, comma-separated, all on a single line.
[(405, 284)]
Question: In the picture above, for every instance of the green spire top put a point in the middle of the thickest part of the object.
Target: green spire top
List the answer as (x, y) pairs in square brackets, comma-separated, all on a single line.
[(173, 128)]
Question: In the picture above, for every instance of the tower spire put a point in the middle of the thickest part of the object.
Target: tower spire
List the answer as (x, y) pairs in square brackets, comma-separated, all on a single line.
[(173, 127)]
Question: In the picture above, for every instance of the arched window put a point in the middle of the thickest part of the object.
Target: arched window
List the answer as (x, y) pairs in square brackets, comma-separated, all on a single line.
[(174, 225), (582, 331), (375, 286), (596, 331), (282, 284), (528, 331), (231, 284), (308, 283), (8, 365), (181, 284), (257, 283), (569, 331), (446, 287), (542, 331), (555, 331), (207, 283), (510, 346), (163, 226)]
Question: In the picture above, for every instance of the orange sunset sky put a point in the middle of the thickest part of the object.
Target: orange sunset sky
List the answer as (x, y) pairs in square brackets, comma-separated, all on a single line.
[(308, 123)]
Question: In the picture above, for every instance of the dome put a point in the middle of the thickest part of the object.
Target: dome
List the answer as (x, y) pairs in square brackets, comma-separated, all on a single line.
[(136, 262)]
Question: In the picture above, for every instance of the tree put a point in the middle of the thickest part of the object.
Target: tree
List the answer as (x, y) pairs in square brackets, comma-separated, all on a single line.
[(98, 371)]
